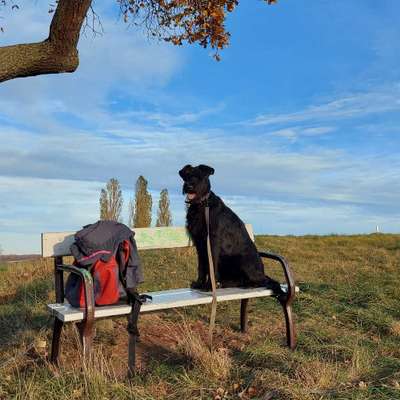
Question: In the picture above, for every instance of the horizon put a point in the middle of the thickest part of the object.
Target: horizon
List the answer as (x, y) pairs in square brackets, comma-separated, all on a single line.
[(325, 235), (301, 124)]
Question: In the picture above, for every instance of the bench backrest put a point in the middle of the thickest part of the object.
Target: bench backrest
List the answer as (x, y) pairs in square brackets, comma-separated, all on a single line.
[(57, 243)]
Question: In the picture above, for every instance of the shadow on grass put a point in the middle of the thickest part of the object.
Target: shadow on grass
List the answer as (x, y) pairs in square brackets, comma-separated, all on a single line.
[(24, 311), (163, 359), (263, 358)]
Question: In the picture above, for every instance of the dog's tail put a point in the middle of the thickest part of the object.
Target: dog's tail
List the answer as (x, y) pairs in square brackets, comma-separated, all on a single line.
[(274, 285)]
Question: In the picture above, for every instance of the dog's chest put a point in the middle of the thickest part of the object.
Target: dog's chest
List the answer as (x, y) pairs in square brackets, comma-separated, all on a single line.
[(196, 222)]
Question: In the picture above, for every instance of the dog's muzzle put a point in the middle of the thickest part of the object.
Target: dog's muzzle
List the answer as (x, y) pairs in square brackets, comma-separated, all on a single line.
[(190, 197), (190, 194), (193, 198)]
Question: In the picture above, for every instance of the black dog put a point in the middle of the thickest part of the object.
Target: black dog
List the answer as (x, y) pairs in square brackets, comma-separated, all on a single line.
[(236, 260)]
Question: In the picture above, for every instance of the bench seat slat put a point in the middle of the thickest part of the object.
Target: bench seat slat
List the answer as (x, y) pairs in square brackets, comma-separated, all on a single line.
[(161, 301)]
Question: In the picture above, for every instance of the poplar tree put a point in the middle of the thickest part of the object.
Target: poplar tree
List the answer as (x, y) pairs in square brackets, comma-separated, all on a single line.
[(143, 205), (111, 201), (164, 217)]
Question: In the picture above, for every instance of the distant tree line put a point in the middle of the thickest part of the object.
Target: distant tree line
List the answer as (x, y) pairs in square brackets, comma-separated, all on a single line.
[(140, 206)]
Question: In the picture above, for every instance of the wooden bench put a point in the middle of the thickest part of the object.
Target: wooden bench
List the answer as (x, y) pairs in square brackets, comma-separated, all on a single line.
[(57, 245)]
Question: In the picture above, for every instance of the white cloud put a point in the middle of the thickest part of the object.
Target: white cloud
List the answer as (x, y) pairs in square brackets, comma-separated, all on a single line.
[(294, 133), (29, 206), (373, 101), (288, 133), (281, 191), (166, 120), (317, 131), (299, 218)]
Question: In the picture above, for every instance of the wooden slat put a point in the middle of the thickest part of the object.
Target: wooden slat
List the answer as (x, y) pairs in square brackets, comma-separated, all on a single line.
[(58, 243), (161, 238), (163, 300)]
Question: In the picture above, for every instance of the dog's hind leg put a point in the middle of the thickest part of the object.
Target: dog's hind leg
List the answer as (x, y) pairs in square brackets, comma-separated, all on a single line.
[(252, 272), (254, 276), (274, 285)]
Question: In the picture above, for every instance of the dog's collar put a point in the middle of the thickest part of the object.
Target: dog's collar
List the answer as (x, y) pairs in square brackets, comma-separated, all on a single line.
[(203, 200)]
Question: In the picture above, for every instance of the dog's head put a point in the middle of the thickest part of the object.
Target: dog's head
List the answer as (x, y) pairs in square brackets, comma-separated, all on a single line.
[(196, 183)]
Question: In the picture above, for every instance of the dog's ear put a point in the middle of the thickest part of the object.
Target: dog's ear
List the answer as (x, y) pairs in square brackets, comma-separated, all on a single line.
[(206, 170), (184, 172)]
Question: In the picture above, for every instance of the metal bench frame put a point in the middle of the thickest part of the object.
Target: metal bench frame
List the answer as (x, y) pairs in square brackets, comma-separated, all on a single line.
[(86, 325)]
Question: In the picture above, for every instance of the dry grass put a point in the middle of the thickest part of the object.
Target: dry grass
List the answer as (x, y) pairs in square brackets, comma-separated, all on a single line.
[(213, 363), (348, 317), (395, 328)]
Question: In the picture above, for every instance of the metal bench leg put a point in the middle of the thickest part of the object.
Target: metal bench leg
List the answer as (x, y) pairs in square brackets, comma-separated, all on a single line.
[(287, 299), (244, 315), (86, 327), (290, 328), (55, 343), (132, 355), (133, 331), (86, 333)]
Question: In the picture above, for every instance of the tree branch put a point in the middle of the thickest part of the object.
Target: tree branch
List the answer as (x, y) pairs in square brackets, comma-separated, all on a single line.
[(58, 53)]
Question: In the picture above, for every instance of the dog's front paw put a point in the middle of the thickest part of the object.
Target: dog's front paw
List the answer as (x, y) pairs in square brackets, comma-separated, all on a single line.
[(198, 285), (201, 285), (280, 294)]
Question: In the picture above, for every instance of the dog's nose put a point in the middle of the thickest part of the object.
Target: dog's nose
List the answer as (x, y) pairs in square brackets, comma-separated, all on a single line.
[(187, 187)]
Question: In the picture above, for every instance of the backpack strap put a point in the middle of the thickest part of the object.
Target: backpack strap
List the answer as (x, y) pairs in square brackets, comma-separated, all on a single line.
[(136, 300)]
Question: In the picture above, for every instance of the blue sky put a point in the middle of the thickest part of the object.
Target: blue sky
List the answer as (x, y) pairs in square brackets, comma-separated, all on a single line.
[(300, 120)]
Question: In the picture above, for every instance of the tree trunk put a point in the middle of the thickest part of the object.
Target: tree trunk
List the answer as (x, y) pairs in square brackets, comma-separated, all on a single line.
[(58, 53)]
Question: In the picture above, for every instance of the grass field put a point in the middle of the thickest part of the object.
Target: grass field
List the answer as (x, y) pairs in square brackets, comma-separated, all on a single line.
[(348, 319)]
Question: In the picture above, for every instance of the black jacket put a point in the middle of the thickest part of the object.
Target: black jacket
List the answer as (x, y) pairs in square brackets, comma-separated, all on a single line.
[(104, 239)]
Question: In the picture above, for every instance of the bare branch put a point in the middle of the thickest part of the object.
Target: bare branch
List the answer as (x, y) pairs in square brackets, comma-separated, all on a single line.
[(93, 23)]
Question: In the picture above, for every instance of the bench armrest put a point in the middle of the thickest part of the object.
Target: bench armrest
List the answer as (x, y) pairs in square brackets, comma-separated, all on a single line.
[(291, 290), (87, 281)]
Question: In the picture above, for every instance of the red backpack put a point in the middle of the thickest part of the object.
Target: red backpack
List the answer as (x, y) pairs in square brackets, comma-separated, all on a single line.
[(107, 285)]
